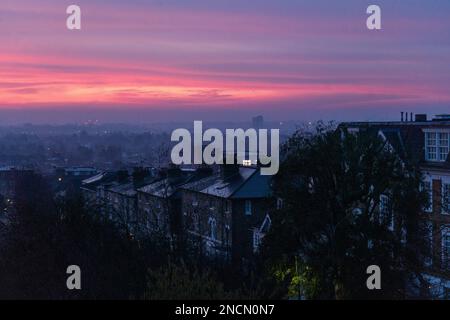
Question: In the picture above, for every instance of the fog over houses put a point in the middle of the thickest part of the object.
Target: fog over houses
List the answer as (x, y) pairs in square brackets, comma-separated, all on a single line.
[(221, 212)]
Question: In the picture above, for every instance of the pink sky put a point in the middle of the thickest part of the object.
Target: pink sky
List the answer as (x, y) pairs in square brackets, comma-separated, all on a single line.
[(285, 59)]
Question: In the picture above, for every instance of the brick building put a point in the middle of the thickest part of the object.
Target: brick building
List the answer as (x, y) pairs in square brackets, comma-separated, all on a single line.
[(225, 210), (114, 195), (159, 203), (428, 143), (227, 213)]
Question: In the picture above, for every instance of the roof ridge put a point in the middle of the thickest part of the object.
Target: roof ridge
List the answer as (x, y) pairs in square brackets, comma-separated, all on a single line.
[(244, 182)]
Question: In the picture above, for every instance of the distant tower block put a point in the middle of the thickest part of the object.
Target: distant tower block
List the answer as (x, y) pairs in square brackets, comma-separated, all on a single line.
[(258, 122)]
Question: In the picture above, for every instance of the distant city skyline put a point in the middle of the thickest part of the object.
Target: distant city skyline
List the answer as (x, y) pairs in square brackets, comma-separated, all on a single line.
[(183, 60)]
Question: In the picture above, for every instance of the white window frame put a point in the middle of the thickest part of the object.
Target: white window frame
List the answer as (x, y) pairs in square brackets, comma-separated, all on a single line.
[(431, 146), (256, 239), (443, 149), (437, 144)]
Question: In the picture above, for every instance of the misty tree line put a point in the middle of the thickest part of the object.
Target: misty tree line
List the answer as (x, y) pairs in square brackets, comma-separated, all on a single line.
[(107, 149)]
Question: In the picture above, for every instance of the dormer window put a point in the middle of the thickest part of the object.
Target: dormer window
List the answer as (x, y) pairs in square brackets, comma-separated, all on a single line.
[(436, 145)]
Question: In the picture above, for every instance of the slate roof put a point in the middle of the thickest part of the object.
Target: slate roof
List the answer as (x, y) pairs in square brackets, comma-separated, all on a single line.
[(160, 189), (167, 187), (235, 186), (103, 178), (110, 181), (126, 189)]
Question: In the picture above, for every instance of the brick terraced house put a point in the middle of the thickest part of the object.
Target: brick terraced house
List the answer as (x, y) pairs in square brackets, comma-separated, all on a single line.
[(428, 142), (227, 213)]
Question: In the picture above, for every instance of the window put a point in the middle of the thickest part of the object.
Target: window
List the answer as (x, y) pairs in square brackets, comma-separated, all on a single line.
[(248, 207), (256, 239), (430, 146), (445, 198), (436, 146), (212, 228), (279, 203), (443, 146), (194, 200), (212, 206), (446, 248)]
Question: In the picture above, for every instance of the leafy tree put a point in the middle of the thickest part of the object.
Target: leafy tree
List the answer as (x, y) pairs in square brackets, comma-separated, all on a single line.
[(181, 282), (332, 225), (43, 237)]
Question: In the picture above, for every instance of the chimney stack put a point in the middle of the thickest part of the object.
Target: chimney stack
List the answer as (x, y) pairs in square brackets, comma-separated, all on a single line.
[(401, 119)]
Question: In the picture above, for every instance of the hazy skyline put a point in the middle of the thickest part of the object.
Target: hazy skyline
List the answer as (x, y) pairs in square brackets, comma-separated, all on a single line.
[(177, 60)]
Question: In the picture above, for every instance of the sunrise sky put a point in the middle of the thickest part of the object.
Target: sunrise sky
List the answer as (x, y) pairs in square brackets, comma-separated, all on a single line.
[(172, 60)]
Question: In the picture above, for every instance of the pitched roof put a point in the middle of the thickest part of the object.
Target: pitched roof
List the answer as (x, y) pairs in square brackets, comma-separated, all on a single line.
[(111, 181), (160, 188), (167, 187), (101, 179), (235, 186), (126, 189)]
